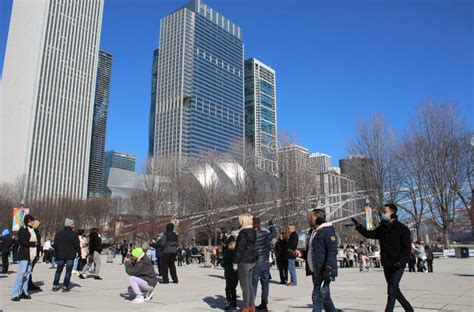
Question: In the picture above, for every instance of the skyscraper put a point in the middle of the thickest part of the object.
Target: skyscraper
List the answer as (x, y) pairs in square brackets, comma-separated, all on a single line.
[(114, 159), (320, 162), (99, 124), (151, 130), (260, 113), (199, 84), (48, 91)]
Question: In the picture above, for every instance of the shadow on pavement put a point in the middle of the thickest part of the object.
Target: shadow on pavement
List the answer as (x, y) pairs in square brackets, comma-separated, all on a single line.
[(465, 275), (218, 302), (217, 276)]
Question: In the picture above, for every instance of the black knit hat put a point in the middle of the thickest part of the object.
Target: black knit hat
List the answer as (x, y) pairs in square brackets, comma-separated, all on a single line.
[(28, 218)]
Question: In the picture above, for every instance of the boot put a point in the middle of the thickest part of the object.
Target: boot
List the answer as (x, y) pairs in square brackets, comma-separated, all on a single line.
[(246, 310), (262, 307), (252, 308)]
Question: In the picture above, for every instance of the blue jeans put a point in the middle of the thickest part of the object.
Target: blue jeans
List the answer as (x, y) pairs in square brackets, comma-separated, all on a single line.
[(322, 296), (262, 273), (67, 278), (292, 269), (21, 281), (76, 263)]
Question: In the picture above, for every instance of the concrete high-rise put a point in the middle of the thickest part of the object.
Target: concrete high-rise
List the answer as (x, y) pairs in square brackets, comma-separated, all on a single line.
[(48, 90), (260, 113), (320, 162), (198, 104), (99, 125)]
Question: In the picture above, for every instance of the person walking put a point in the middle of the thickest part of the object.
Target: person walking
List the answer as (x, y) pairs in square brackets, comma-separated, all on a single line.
[(67, 248), (412, 262), (169, 247), (7, 243), (84, 245), (420, 256), (281, 253), (395, 244), (322, 260), (262, 268), (350, 253), (31, 285), (95, 248), (245, 259), (293, 253), (28, 250), (363, 257), (141, 275)]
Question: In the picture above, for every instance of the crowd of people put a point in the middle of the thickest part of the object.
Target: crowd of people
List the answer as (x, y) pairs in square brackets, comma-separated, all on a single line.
[(246, 256)]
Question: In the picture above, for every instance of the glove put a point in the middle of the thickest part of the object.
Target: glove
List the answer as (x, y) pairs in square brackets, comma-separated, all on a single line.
[(356, 223), (397, 265), (270, 223), (327, 274), (235, 266)]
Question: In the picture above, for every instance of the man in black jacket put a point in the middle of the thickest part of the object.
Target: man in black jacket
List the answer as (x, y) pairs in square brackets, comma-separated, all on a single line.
[(292, 254), (262, 268), (66, 244), (322, 259), (395, 244), (169, 248)]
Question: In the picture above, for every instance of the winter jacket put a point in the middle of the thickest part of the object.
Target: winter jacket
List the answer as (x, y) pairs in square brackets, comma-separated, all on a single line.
[(395, 242), (324, 250), (24, 244), (245, 251), (7, 243), (227, 264), (292, 245), (281, 250), (142, 268), (95, 243), (169, 243), (66, 244), (263, 242)]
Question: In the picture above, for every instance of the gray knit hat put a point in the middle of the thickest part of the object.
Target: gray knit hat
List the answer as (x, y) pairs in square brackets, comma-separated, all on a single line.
[(69, 222)]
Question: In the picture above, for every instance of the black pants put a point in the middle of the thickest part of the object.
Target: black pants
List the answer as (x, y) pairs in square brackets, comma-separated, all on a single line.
[(393, 277), (168, 263), (231, 282), (430, 265), (411, 265), (5, 262), (80, 264), (123, 257), (283, 269), (159, 265)]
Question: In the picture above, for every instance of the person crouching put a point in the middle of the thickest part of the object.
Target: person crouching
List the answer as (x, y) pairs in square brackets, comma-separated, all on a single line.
[(142, 275)]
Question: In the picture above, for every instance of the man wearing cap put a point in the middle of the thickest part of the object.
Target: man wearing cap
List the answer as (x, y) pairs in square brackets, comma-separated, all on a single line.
[(142, 276), (66, 244), (28, 250)]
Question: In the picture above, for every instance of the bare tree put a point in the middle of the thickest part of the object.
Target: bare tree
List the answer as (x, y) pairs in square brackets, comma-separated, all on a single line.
[(442, 138)]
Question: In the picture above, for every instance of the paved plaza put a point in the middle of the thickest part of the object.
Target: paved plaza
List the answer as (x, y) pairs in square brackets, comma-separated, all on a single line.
[(450, 288)]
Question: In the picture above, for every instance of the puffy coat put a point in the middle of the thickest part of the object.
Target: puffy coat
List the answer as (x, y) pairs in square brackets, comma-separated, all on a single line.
[(324, 250), (245, 251), (262, 244)]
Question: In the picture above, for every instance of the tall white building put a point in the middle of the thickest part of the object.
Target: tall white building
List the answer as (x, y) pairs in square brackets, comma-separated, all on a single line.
[(48, 88), (320, 162)]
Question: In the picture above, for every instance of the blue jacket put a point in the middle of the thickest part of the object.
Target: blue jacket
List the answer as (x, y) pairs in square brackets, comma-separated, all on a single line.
[(262, 243), (324, 250)]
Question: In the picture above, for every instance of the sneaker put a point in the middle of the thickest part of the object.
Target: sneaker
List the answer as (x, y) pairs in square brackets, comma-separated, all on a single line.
[(24, 296), (56, 287), (81, 276), (262, 307), (291, 284), (97, 278), (138, 299), (66, 289), (15, 299), (149, 294)]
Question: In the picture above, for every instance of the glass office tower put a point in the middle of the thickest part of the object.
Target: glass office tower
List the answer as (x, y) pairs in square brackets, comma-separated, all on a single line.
[(198, 104), (99, 125), (260, 114)]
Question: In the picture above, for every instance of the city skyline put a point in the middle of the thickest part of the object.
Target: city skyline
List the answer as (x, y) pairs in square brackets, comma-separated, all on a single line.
[(402, 82)]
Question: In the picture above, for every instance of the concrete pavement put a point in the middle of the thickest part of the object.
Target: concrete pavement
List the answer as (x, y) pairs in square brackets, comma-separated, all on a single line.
[(450, 288)]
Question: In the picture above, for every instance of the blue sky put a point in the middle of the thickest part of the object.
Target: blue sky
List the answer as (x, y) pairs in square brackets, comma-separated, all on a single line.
[(336, 61)]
